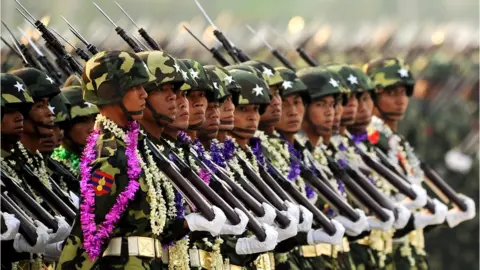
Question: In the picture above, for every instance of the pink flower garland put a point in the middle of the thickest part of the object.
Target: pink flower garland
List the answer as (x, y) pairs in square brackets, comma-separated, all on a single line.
[(94, 235)]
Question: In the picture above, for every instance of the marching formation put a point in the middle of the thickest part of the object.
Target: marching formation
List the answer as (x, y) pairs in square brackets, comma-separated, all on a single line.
[(140, 160)]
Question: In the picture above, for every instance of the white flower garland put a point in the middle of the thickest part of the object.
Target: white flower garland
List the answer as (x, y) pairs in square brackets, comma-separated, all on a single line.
[(10, 171), (41, 170)]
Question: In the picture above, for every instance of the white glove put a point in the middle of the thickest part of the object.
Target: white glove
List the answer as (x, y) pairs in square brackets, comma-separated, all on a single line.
[(197, 222), (62, 232), (21, 245), (290, 231), (403, 215), (424, 218), (269, 216), (75, 199), (293, 210), (415, 180), (354, 228), (12, 224), (252, 245), (53, 251), (377, 224), (319, 236), (419, 202), (238, 229), (455, 216), (307, 221)]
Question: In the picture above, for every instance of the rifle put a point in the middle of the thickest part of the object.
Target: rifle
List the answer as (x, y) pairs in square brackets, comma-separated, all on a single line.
[(322, 220), (205, 189), (27, 228), (72, 182), (215, 53), (23, 198), (90, 47), (28, 58), (78, 51)]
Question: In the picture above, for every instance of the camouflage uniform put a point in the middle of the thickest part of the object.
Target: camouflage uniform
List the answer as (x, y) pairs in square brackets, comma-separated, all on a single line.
[(409, 252), (13, 97), (106, 78)]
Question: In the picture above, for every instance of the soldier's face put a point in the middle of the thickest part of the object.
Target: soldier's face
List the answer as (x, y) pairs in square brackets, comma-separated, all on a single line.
[(182, 115), (41, 114), (197, 106), (349, 111), (134, 101), (163, 102), (12, 123), (293, 111), (80, 131), (338, 116), (227, 110), (364, 112), (273, 112), (393, 102), (246, 120), (57, 136), (321, 113), (211, 125)]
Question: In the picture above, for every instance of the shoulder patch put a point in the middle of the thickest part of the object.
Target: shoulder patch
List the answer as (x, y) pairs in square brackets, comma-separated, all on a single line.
[(102, 182)]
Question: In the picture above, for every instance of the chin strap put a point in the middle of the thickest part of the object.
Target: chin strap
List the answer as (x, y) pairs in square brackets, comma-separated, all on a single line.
[(317, 128), (226, 122), (268, 122), (159, 117), (235, 130), (195, 126), (386, 115)]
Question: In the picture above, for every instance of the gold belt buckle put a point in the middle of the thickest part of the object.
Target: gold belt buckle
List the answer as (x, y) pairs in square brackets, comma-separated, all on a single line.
[(308, 251), (235, 267), (205, 259), (263, 262), (271, 258), (323, 249)]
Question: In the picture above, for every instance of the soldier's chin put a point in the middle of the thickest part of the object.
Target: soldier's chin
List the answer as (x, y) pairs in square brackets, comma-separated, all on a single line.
[(137, 116)]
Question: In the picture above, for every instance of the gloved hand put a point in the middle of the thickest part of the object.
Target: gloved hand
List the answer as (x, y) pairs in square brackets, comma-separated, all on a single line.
[(230, 229), (354, 228), (252, 245), (269, 216), (53, 251), (307, 221), (75, 199), (419, 202), (377, 224), (21, 245), (403, 215), (415, 180), (455, 216), (62, 232), (197, 222), (319, 236), (293, 210), (290, 231), (425, 218), (12, 224)]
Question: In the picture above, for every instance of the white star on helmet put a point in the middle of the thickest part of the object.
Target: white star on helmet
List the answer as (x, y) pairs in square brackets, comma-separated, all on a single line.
[(286, 84), (333, 82), (19, 86), (267, 72), (352, 79), (258, 91), (49, 79), (403, 72)]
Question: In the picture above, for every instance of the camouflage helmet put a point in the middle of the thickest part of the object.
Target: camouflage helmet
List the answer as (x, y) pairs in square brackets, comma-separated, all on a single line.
[(108, 76), (190, 83), (60, 105), (271, 76), (78, 106), (219, 92), (389, 72), (197, 72), (73, 80), (291, 83), (164, 67), (39, 84), (227, 79), (254, 89), (14, 92), (322, 82), (355, 80)]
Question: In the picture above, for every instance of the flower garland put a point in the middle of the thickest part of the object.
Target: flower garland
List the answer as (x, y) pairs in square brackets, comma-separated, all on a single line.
[(95, 235), (70, 160), (216, 256), (10, 171), (227, 150), (40, 169), (204, 174)]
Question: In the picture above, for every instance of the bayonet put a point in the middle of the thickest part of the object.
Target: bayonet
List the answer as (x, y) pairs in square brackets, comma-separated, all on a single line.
[(26, 54), (216, 54), (90, 47), (78, 51), (121, 32), (274, 51)]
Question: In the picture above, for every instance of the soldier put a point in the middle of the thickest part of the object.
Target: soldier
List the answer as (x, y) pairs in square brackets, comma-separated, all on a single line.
[(394, 84), (16, 103), (117, 175), (59, 104), (81, 118), (161, 111)]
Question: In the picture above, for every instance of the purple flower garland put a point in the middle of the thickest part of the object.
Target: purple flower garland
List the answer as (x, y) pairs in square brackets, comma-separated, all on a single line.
[(228, 149), (94, 235)]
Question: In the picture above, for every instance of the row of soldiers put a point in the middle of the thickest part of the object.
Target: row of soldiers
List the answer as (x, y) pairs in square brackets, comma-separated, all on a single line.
[(153, 162)]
